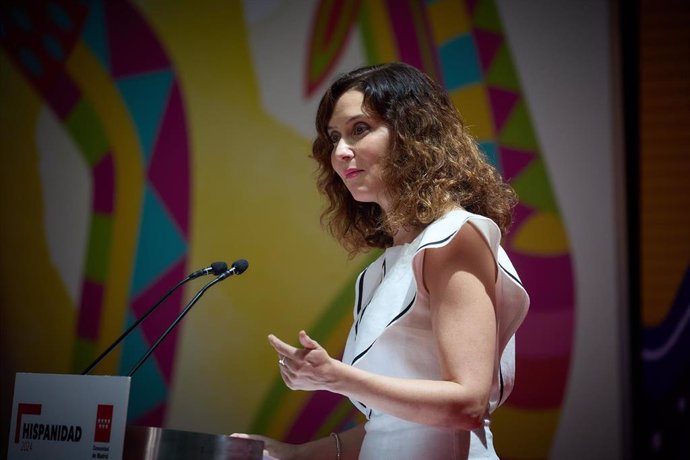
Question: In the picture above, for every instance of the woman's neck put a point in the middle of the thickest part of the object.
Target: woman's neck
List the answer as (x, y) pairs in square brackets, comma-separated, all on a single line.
[(405, 235)]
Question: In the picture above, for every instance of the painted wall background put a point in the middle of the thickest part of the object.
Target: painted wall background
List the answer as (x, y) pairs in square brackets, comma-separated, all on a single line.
[(143, 140)]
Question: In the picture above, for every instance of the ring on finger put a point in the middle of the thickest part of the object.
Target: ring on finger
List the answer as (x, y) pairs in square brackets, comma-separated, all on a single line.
[(281, 361)]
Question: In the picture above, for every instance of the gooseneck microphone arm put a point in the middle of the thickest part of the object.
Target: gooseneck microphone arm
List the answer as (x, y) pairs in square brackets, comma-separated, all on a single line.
[(216, 268), (238, 267)]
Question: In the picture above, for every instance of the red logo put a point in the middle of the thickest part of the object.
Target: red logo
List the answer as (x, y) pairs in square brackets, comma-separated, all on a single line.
[(104, 422), (28, 409)]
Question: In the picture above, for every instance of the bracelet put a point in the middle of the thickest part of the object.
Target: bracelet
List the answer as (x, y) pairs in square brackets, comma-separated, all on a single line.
[(338, 446)]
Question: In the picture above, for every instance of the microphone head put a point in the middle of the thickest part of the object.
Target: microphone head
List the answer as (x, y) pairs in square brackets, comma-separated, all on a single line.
[(240, 266), (218, 267)]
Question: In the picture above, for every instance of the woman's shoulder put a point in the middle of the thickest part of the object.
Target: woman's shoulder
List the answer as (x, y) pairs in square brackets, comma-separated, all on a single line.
[(443, 230)]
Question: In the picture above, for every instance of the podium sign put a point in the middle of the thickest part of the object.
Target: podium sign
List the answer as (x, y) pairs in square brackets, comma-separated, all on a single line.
[(73, 417)]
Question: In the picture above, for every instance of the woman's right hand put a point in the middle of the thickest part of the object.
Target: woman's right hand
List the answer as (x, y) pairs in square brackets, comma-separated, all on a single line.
[(273, 450)]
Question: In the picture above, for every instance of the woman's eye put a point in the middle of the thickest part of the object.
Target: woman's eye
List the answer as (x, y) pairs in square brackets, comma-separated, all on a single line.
[(359, 129), (334, 137)]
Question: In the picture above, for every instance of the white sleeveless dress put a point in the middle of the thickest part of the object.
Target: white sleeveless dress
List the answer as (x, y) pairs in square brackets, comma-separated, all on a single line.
[(391, 335)]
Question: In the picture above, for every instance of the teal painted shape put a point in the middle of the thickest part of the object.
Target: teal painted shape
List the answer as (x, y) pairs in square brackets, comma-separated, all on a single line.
[(460, 62), (160, 243), (146, 96), (489, 149), (59, 16), (94, 33), (30, 61), (148, 388), (53, 47)]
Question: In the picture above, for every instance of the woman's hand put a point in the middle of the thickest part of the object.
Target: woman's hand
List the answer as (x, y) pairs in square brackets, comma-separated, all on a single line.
[(309, 368), (273, 449)]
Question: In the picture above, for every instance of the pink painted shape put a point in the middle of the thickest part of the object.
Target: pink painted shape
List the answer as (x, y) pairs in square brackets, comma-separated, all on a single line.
[(169, 166), (502, 105), (546, 334), (520, 214), (154, 417), (166, 313), (402, 23), (488, 43), (90, 310), (471, 5), (134, 48), (548, 280), (312, 416), (63, 95), (513, 161), (103, 174), (539, 382)]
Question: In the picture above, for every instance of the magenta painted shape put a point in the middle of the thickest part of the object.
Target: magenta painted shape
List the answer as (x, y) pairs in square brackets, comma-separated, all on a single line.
[(471, 5), (166, 313), (312, 416), (63, 95), (547, 334), (103, 174), (502, 105), (520, 213), (513, 161), (488, 43), (547, 279), (134, 48), (405, 33), (154, 417), (90, 310), (169, 166)]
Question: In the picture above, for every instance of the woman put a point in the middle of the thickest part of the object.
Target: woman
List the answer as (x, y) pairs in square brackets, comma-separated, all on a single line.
[(431, 351)]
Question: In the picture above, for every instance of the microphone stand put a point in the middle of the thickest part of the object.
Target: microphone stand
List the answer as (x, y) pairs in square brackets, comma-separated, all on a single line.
[(188, 307), (134, 325)]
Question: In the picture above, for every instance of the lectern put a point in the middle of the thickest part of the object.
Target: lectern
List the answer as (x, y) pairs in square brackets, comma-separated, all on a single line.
[(75, 417)]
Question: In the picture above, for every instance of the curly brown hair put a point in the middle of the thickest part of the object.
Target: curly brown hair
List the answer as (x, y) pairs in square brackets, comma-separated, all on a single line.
[(434, 163)]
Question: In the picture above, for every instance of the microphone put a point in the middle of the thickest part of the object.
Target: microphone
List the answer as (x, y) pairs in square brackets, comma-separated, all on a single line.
[(217, 268), (238, 267)]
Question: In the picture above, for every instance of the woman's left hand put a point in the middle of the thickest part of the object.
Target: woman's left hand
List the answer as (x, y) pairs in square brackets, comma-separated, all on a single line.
[(309, 368)]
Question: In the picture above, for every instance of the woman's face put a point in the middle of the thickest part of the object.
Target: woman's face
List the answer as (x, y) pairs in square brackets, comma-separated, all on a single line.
[(360, 144)]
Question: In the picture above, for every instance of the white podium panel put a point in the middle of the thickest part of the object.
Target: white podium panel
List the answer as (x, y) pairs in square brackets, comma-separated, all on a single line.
[(59, 416)]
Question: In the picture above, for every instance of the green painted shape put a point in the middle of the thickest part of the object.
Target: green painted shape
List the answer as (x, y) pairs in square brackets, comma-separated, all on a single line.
[(323, 57), (340, 306), (534, 189), (368, 38), (517, 131), (335, 418), (98, 252), (486, 16), (83, 354), (84, 126), (502, 72)]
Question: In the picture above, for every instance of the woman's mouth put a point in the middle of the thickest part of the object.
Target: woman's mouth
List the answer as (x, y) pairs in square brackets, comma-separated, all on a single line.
[(352, 172)]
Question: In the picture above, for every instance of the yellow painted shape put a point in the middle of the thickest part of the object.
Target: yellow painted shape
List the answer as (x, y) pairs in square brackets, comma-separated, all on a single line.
[(283, 417), (37, 317), (386, 49), (473, 104), (448, 19), (100, 91), (524, 434), (543, 234), (254, 197)]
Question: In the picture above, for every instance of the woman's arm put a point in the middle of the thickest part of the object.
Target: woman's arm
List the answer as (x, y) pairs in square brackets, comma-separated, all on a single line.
[(460, 278)]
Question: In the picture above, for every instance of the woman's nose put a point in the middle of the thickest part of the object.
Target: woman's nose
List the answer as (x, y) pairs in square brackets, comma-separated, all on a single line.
[(343, 150)]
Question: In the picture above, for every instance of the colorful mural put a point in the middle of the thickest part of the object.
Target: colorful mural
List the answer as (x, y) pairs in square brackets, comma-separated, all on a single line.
[(462, 45), (195, 146), (102, 71)]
